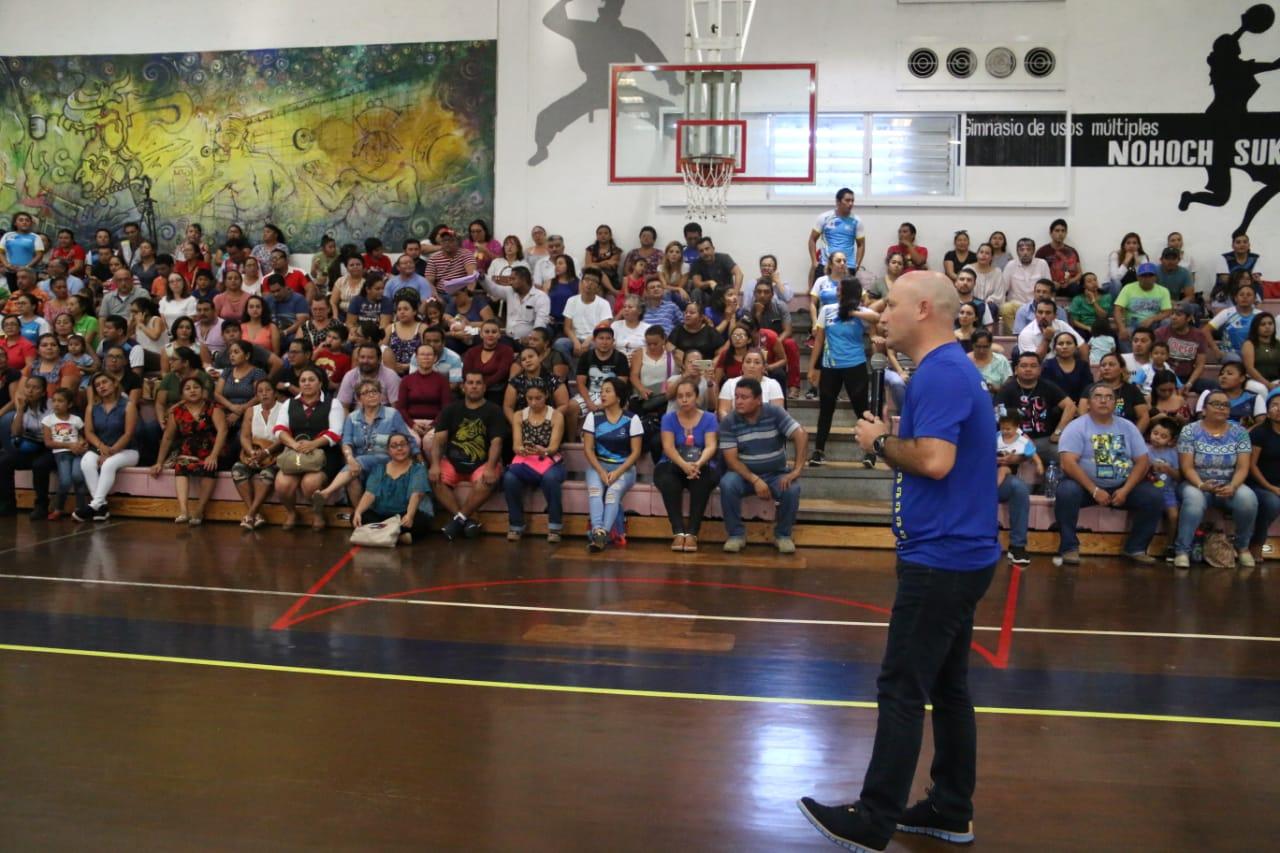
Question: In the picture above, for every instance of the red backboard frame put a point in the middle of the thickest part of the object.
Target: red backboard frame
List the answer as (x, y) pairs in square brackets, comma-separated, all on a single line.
[(675, 177)]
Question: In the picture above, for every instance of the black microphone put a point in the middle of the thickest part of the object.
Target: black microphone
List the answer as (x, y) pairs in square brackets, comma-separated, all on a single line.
[(875, 394)]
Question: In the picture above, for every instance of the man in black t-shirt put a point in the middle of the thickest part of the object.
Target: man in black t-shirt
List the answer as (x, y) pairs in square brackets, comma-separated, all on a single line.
[(467, 446), (1043, 406), (596, 365), (712, 271)]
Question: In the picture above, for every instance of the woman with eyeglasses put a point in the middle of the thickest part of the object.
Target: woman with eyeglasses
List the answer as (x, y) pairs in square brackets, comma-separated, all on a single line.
[(1215, 454), (365, 435), (398, 488)]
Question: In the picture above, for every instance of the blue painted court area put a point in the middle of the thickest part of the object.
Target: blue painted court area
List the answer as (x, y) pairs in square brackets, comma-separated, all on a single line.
[(622, 669)]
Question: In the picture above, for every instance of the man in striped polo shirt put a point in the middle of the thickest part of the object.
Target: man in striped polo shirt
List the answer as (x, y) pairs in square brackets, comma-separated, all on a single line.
[(754, 440), (450, 262)]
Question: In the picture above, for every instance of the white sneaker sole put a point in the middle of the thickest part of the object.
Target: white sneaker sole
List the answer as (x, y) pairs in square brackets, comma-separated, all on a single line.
[(941, 834), (835, 839)]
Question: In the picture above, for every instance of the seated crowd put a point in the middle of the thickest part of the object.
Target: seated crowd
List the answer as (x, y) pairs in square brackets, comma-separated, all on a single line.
[(387, 382)]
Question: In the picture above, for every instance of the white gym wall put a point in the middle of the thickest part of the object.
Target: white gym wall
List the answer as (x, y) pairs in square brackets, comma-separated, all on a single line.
[(1138, 56)]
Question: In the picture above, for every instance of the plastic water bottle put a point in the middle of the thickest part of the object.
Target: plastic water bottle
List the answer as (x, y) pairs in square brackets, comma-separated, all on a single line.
[(1052, 476), (1197, 546)]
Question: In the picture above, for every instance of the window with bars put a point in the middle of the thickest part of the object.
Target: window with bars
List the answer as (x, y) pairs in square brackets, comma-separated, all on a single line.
[(911, 155)]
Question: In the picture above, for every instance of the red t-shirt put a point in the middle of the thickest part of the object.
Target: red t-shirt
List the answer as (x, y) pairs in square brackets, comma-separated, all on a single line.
[(334, 364), (20, 352), (296, 280), (74, 253), (898, 248), (382, 262), (189, 271)]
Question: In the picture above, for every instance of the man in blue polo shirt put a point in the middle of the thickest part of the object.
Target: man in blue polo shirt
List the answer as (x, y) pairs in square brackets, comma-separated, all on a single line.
[(754, 440), (944, 518), (840, 231)]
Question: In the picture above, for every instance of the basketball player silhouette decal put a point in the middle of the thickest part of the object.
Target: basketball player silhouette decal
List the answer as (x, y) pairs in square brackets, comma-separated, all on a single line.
[(1234, 81), (597, 43)]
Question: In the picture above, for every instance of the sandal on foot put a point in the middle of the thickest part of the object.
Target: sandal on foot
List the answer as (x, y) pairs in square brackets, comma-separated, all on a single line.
[(690, 544), (247, 522), (290, 522), (678, 543), (181, 519)]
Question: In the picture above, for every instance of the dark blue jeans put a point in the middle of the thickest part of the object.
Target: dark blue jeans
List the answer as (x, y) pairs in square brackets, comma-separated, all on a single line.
[(514, 480), (1268, 512), (1144, 504), (926, 659), (1017, 494)]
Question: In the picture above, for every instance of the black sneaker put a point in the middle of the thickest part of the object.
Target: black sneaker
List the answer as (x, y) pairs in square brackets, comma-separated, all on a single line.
[(471, 529), (453, 529), (40, 512), (82, 513), (101, 513), (811, 394), (846, 826), (1018, 555), (817, 459), (597, 540), (923, 819)]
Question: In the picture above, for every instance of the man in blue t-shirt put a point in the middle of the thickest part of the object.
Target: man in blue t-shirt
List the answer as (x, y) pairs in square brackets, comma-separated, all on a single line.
[(754, 440), (1104, 462), (944, 516), (840, 231)]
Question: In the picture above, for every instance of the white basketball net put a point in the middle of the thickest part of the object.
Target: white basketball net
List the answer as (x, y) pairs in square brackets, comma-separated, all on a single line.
[(706, 187)]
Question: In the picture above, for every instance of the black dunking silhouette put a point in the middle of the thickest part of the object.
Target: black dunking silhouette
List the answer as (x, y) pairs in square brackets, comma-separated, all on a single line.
[(1234, 81), (597, 43)]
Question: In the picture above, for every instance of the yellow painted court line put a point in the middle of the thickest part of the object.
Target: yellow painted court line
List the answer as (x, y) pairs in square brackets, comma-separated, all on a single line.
[(611, 691)]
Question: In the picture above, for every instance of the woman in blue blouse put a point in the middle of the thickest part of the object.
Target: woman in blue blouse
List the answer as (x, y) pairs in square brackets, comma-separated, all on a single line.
[(398, 487), (1214, 454), (366, 433), (611, 441), (690, 440)]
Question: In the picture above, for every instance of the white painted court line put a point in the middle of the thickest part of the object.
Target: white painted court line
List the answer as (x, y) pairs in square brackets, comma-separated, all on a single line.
[(422, 602), (79, 531)]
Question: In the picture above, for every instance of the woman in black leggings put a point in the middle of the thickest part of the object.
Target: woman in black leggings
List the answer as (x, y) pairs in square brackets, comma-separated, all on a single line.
[(839, 359)]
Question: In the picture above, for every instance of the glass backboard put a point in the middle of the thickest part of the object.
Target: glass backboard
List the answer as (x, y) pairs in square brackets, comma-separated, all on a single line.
[(762, 115)]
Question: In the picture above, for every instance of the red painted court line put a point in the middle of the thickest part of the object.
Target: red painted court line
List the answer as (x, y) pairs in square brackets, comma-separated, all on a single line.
[(291, 618), (1006, 626), (283, 621), (287, 621)]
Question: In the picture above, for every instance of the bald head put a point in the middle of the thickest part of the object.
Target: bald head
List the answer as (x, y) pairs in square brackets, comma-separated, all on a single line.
[(921, 311)]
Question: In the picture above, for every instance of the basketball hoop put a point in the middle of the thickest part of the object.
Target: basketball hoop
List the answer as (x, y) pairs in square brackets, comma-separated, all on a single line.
[(706, 184)]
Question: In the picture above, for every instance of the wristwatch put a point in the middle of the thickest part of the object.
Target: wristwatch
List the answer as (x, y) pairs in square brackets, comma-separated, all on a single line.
[(877, 446)]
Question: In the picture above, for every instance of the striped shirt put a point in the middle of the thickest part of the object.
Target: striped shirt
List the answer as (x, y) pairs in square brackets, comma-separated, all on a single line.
[(442, 267), (762, 445)]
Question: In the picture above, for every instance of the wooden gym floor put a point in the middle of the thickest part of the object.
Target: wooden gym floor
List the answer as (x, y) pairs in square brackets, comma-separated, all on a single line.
[(167, 688)]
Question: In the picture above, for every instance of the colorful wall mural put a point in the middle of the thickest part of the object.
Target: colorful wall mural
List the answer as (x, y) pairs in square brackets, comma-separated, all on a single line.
[(370, 140)]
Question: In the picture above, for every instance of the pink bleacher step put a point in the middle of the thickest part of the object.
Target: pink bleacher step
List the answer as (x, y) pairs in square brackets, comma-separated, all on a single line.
[(642, 499)]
